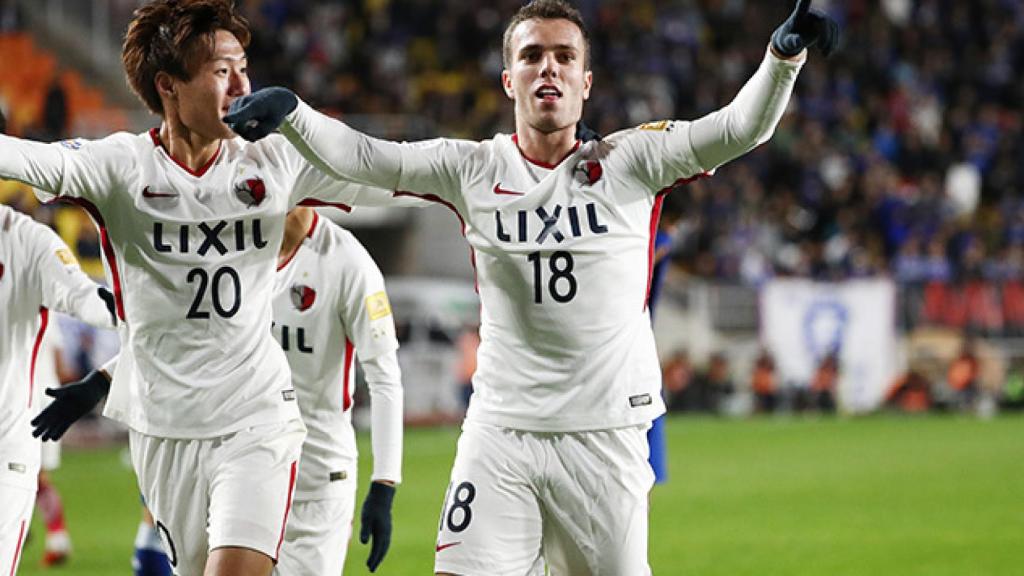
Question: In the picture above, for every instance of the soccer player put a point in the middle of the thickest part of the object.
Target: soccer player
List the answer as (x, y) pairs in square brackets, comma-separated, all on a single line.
[(329, 306), (191, 221), (552, 463), (37, 274)]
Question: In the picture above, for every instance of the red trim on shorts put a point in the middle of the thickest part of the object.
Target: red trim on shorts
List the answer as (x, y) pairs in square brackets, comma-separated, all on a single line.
[(515, 139), (309, 234), (659, 199), (450, 206), (154, 133), (287, 510), (17, 549), (108, 249), (346, 393), (44, 320)]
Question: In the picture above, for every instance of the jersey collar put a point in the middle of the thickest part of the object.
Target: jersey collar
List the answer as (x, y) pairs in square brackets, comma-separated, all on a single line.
[(154, 133), (575, 147)]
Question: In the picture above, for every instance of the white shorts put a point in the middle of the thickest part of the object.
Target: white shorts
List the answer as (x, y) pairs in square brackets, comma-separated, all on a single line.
[(575, 502), (316, 538), (234, 490), (15, 516)]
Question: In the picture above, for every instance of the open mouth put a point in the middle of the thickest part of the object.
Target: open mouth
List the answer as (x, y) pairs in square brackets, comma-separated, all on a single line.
[(548, 93)]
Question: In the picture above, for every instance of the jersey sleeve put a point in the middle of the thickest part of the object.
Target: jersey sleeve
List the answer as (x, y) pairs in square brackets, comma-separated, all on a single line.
[(366, 314), (85, 169), (429, 168), (660, 154), (65, 287)]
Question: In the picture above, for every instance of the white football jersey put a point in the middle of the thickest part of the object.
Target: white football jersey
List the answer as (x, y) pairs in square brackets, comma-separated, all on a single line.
[(329, 307), (37, 274), (563, 253), (191, 257)]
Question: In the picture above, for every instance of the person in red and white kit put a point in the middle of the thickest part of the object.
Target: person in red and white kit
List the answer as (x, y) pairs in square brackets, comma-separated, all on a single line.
[(191, 221), (551, 467), (38, 274), (330, 306)]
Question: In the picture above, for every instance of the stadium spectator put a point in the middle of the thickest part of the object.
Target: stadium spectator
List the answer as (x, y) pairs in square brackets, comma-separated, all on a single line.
[(962, 377), (764, 384), (824, 383), (712, 386), (910, 393), (676, 379)]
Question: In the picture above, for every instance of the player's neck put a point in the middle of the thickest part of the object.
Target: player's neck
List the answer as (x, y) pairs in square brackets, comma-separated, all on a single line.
[(545, 148), (296, 228), (186, 146)]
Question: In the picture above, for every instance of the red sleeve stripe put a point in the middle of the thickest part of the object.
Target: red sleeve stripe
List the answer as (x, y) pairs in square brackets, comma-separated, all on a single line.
[(44, 320), (108, 250), (450, 206), (346, 390), (659, 199), (287, 509), (314, 203), (17, 548)]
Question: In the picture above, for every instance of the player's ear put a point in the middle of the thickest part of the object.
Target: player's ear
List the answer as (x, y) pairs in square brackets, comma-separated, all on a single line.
[(506, 83), (164, 85), (588, 81)]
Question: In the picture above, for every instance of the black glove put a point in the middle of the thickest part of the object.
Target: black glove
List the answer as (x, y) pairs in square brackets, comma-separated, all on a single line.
[(376, 521), (70, 403), (586, 133), (805, 28), (259, 114)]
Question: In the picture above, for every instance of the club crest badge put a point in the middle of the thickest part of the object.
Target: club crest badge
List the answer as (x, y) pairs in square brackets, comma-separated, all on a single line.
[(252, 191), (588, 172), (303, 297)]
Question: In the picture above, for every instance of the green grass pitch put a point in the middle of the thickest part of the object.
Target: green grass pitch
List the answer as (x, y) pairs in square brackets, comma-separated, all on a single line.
[(882, 495)]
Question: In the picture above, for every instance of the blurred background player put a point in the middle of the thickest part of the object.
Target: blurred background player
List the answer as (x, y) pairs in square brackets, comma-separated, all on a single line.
[(561, 236), (37, 274), (330, 306), (51, 373), (669, 221)]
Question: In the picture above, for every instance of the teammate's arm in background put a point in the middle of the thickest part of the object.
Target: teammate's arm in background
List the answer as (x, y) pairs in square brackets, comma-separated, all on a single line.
[(366, 314), (65, 287)]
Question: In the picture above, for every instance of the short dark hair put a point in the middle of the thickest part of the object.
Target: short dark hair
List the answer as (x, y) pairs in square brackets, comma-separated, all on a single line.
[(3, 122), (176, 37), (545, 10)]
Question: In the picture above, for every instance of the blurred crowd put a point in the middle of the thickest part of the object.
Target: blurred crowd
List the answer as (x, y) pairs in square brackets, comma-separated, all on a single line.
[(902, 154)]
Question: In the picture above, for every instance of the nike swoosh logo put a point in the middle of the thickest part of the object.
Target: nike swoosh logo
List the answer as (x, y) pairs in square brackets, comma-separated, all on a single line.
[(499, 190), (147, 193), (446, 546)]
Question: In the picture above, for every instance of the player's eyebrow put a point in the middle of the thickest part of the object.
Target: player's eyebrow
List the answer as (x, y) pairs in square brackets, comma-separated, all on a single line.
[(540, 47), (230, 58)]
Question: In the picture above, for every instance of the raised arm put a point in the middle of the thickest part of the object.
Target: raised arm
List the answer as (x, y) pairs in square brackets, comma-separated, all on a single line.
[(750, 119), (34, 163)]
